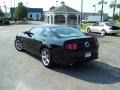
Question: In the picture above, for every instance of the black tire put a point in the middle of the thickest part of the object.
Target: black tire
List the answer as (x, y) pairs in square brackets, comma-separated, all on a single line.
[(18, 45), (88, 30), (46, 58)]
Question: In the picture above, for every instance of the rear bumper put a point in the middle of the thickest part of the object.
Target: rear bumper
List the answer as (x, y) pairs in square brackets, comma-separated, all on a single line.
[(69, 57)]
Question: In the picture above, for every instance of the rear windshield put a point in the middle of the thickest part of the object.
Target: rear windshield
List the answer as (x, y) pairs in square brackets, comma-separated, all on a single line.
[(108, 24), (67, 32)]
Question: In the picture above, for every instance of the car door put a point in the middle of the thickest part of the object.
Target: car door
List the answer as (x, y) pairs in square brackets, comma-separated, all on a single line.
[(47, 38), (35, 39), (101, 27), (95, 27), (25, 40)]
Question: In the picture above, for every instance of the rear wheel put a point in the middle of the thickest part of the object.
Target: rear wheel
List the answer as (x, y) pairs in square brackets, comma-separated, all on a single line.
[(18, 45), (46, 58), (88, 30), (103, 32)]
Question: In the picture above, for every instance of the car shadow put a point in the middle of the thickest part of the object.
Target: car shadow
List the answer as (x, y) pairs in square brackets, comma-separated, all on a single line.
[(94, 71), (117, 35)]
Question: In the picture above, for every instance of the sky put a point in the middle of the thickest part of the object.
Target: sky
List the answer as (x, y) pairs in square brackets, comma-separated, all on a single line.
[(46, 4)]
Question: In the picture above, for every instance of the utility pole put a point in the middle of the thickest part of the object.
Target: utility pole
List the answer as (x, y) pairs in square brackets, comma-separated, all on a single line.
[(14, 3), (102, 11), (81, 12), (14, 10)]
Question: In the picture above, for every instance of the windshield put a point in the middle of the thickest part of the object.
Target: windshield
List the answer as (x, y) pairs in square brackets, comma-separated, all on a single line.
[(67, 32)]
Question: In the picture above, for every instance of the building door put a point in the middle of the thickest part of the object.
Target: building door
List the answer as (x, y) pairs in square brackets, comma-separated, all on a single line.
[(37, 17), (31, 17)]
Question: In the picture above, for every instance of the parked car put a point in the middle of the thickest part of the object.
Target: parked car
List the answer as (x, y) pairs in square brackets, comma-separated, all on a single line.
[(103, 28), (58, 45)]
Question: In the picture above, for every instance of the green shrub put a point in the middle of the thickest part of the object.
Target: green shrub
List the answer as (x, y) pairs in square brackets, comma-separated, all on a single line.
[(6, 22), (116, 17)]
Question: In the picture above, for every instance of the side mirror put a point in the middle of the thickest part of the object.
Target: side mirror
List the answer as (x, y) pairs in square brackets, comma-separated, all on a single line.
[(26, 32)]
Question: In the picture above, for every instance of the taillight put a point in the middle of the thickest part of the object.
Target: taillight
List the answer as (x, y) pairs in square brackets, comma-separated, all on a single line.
[(71, 46)]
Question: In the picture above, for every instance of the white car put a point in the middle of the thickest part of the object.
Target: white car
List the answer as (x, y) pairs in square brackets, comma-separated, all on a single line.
[(103, 28)]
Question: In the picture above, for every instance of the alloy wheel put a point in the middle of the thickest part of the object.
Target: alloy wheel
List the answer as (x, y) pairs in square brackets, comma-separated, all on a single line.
[(45, 57), (18, 45), (103, 33)]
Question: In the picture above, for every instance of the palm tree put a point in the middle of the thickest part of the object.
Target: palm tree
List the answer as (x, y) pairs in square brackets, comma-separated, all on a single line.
[(113, 5), (102, 2), (118, 6)]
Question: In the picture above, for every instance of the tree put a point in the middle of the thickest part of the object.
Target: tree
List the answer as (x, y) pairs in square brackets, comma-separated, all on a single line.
[(53, 7), (113, 5), (116, 17), (118, 6), (1, 13), (102, 2), (21, 11)]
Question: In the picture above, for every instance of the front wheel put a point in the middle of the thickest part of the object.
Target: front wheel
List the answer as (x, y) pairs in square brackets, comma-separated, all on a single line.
[(18, 45), (46, 58)]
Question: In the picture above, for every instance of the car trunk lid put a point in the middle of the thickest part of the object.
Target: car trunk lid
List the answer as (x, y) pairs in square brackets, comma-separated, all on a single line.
[(83, 44)]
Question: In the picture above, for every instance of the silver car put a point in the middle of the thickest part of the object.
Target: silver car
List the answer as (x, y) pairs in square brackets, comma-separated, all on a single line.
[(103, 28)]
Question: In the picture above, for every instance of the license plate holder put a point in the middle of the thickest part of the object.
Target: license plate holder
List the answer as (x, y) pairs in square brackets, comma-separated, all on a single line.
[(87, 54)]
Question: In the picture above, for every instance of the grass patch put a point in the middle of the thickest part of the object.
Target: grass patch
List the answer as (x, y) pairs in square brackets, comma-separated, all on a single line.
[(83, 27), (118, 23)]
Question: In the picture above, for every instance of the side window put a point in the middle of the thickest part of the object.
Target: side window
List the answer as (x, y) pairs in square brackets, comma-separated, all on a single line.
[(47, 33), (37, 31), (101, 24), (96, 24)]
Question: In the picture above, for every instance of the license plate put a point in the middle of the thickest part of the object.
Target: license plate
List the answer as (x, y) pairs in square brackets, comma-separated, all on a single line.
[(87, 54)]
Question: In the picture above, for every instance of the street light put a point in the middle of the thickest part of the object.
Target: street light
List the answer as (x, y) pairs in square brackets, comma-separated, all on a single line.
[(81, 12), (5, 8), (94, 6)]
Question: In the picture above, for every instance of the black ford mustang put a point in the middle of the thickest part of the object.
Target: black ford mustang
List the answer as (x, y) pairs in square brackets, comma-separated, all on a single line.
[(58, 44)]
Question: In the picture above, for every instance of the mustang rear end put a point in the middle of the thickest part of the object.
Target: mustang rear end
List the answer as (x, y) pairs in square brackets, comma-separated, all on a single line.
[(79, 50)]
